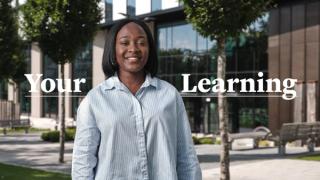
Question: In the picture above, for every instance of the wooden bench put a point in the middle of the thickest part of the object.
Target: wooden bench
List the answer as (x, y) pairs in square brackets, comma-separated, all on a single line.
[(15, 123), (10, 116), (308, 133)]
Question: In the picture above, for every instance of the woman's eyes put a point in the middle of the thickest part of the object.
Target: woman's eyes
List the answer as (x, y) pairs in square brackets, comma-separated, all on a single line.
[(126, 43), (141, 42)]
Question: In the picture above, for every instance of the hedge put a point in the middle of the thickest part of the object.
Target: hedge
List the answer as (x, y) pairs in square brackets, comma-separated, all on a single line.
[(53, 136)]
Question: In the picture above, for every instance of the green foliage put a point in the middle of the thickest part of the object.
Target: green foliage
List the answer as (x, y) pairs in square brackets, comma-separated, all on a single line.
[(253, 117), (62, 27), (206, 140), (313, 157), (223, 18), (18, 130), (17, 173), (12, 64), (202, 140), (195, 140), (53, 136), (218, 141)]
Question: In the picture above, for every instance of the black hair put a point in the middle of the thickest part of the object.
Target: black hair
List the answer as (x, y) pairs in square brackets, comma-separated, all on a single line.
[(109, 63)]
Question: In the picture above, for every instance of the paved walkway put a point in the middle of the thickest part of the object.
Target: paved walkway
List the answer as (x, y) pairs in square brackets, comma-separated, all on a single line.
[(259, 164)]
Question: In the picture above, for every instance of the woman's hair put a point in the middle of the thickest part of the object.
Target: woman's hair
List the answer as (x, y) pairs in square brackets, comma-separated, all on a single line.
[(109, 63)]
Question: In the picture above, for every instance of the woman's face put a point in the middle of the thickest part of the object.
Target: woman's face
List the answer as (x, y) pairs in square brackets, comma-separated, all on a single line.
[(132, 49)]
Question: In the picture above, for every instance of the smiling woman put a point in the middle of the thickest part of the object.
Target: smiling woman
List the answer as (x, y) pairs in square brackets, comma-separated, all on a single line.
[(132, 55), (133, 125)]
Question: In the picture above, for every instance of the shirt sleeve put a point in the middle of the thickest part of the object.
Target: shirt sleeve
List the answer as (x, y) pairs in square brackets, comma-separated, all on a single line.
[(188, 167), (86, 144)]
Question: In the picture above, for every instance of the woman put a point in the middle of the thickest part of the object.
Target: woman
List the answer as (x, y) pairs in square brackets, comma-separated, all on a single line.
[(133, 126)]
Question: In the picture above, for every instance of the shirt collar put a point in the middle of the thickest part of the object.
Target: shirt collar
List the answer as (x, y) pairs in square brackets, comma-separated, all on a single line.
[(114, 82)]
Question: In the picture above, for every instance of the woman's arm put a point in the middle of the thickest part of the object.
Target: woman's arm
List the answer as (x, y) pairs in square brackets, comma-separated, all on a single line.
[(86, 144), (188, 167)]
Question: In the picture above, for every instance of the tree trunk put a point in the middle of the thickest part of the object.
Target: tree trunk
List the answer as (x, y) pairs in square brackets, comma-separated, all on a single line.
[(62, 117), (223, 113)]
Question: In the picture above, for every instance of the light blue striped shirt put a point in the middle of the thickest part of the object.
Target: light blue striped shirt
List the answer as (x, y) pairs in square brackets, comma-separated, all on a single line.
[(146, 136)]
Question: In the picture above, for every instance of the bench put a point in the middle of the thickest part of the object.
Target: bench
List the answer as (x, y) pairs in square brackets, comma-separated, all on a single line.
[(308, 133), (10, 116), (15, 123), (259, 133)]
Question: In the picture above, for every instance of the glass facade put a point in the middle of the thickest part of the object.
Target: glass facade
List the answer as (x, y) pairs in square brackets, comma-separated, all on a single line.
[(119, 9), (131, 8), (82, 68), (167, 4), (24, 87), (156, 5), (108, 10), (143, 7), (182, 50), (3, 89), (50, 100)]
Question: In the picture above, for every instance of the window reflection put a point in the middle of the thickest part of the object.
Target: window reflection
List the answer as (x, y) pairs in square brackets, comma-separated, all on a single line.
[(131, 8), (50, 100), (109, 7), (183, 50), (82, 68), (24, 86), (156, 5)]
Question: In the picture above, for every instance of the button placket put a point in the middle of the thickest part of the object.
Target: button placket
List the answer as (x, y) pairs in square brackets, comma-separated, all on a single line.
[(141, 137)]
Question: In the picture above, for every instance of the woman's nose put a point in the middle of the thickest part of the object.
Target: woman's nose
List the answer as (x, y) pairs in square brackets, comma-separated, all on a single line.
[(133, 47)]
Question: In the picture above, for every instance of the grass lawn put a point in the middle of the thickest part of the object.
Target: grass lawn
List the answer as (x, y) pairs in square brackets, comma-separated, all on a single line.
[(22, 130), (315, 157), (9, 172)]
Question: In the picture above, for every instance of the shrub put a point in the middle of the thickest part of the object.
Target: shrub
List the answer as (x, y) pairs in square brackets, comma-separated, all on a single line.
[(217, 141), (53, 136), (206, 140), (202, 140), (195, 140)]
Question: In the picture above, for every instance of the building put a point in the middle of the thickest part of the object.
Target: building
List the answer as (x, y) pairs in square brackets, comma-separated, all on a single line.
[(292, 46), (294, 37)]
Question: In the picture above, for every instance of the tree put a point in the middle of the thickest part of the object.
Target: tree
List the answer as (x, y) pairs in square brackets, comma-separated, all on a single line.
[(62, 28), (220, 19), (11, 44)]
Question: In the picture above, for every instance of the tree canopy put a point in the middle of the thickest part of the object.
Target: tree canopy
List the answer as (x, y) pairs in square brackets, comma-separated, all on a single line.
[(223, 18), (12, 64), (61, 27)]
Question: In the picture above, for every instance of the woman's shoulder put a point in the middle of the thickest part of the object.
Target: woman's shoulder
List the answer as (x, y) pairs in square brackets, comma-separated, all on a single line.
[(96, 91), (168, 88), (165, 85)]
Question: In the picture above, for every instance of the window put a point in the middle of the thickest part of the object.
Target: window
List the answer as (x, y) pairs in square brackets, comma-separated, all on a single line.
[(24, 87), (50, 100), (156, 5), (82, 68), (183, 50), (143, 6), (108, 10), (131, 8), (166, 4), (119, 8), (3, 89)]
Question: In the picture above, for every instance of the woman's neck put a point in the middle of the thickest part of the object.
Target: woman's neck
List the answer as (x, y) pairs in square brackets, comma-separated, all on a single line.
[(132, 81)]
